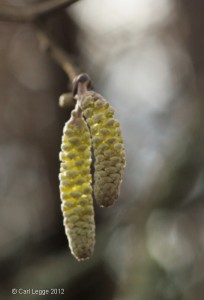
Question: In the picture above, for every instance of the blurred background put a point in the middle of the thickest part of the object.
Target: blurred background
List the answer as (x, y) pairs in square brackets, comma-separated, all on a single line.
[(146, 58)]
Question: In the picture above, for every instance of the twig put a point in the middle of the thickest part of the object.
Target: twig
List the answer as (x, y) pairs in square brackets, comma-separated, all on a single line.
[(60, 56), (33, 11)]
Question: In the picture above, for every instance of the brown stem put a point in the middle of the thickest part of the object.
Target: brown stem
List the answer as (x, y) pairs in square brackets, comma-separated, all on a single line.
[(59, 55), (76, 114), (33, 11)]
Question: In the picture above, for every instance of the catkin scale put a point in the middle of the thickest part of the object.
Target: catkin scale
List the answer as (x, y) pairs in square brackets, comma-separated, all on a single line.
[(108, 147), (75, 187)]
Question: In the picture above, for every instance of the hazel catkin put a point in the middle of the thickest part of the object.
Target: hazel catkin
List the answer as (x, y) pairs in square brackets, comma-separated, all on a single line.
[(108, 147), (75, 187)]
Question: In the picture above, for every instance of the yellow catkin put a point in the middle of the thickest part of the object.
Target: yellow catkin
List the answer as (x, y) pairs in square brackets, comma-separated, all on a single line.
[(107, 146), (75, 187)]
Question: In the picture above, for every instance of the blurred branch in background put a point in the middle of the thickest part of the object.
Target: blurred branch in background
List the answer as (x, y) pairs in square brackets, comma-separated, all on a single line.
[(31, 12), (35, 13)]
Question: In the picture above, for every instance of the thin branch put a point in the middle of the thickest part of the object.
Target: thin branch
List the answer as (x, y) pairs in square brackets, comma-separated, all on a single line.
[(33, 11), (59, 55)]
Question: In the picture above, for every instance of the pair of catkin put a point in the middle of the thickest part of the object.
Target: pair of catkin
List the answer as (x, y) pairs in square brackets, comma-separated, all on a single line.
[(92, 127)]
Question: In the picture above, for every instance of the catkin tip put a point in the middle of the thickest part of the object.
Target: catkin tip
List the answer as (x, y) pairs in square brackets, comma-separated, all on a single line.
[(83, 256)]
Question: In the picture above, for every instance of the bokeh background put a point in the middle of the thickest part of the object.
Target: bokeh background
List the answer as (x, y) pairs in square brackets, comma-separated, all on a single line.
[(147, 58)]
